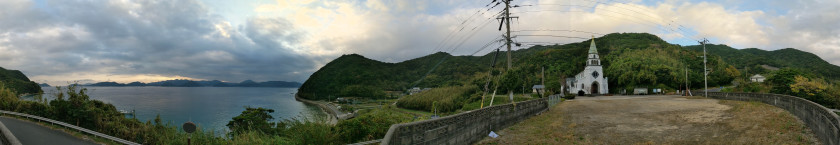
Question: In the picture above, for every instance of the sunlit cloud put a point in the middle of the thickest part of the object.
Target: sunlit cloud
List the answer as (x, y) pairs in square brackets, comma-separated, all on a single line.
[(290, 39)]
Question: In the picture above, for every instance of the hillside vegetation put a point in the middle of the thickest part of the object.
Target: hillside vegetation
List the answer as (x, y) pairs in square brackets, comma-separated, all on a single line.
[(444, 99), (630, 60), (18, 83), (753, 58)]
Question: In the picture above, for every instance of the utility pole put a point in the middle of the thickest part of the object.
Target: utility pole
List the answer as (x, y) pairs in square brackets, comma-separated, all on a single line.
[(705, 70), (506, 21), (686, 82)]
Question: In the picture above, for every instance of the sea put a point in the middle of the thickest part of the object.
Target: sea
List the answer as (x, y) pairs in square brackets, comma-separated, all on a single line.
[(211, 108)]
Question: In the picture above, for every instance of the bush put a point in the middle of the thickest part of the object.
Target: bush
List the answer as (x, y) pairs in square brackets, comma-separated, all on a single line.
[(305, 131), (569, 96), (256, 119), (370, 126)]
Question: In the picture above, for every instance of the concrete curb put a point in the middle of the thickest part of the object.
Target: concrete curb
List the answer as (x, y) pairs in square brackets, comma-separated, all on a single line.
[(7, 135)]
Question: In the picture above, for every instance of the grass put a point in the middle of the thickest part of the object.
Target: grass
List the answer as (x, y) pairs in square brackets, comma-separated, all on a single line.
[(750, 123), (544, 129), (766, 124)]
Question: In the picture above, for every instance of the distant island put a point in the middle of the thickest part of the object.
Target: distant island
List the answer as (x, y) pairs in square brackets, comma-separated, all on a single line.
[(191, 83)]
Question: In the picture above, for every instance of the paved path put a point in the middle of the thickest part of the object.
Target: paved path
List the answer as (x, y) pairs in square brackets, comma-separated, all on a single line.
[(33, 134)]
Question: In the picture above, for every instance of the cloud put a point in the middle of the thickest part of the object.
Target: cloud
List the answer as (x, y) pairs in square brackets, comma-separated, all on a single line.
[(290, 39), (145, 41)]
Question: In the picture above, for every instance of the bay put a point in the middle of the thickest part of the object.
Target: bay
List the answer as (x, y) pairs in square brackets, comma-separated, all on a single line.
[(211, 108)]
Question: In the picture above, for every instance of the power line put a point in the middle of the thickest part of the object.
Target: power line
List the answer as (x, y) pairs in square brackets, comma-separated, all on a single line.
[(553, 30), (659, 25), (561, 36)]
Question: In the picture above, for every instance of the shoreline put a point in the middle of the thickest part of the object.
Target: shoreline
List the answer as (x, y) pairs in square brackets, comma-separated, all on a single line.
[(334, 114)]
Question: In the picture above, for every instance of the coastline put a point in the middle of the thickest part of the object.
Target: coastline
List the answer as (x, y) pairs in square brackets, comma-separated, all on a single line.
[(334, 114)]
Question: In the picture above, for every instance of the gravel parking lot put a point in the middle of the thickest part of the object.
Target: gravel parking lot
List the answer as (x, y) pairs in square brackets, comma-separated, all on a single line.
[(658, 120)]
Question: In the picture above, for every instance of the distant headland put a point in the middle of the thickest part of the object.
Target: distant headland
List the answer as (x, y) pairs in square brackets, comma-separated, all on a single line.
[(192, 83)]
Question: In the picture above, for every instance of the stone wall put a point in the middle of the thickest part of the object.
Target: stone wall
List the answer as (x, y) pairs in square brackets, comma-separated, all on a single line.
[(824, 123), (464, 128)]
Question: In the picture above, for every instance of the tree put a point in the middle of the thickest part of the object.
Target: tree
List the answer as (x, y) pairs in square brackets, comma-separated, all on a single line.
[(782, 79), (252, 119), (815, 90)]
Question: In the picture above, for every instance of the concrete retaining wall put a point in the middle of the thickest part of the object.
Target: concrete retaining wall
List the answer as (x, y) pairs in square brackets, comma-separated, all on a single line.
[(463, 128), (824, 123)]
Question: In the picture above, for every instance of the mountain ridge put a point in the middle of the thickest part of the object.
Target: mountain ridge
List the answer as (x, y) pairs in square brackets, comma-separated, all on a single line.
[(630, 51), (752, 58), (18, 82)]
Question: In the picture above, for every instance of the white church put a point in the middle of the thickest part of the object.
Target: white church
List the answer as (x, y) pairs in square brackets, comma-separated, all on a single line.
[(591, 81)]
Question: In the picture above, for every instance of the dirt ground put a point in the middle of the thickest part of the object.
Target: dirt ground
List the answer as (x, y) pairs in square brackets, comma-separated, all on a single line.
[(657, 120)]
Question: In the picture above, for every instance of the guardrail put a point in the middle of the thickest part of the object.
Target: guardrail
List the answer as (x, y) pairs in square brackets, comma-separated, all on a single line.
[(7, 137), (80, 129)]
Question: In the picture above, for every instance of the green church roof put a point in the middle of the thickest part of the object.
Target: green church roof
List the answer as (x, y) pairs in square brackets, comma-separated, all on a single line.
[(592, 48)]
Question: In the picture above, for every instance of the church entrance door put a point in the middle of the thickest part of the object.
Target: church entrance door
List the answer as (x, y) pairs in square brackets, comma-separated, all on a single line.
[(594, 88)]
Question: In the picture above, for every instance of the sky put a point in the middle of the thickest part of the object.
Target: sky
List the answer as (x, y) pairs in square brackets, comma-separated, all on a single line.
[(85, 41)]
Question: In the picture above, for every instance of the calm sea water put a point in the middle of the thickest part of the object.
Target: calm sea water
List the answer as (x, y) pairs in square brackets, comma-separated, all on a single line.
[(209, 107)]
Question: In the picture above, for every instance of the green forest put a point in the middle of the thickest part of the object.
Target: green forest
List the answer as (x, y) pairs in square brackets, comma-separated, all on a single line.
[(19, 83), (629, 60)]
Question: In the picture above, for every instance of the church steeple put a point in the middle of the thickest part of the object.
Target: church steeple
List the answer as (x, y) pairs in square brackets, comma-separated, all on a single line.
[(594, 60), (592, 49)]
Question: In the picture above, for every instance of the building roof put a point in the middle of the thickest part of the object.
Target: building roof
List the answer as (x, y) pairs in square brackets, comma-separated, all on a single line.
[(757, 76), (538, 87), (592, 48)]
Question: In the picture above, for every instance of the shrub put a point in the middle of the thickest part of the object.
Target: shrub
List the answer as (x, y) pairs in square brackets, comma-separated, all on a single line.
[(569, 96), (256, 119), (370, 126)]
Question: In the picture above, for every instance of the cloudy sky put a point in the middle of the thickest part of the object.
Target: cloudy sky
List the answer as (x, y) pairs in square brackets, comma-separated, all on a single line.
[(56, 41)]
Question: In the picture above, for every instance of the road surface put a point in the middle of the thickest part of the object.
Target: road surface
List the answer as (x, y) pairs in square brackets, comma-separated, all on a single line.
[(33, 134)]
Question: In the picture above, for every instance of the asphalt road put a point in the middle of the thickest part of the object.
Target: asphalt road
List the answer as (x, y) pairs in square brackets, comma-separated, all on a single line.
[(33, 134)]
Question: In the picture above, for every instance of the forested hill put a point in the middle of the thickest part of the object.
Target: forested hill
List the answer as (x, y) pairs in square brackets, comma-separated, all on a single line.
[(629, 60), (18, 82), (753, 58), (355, 75)]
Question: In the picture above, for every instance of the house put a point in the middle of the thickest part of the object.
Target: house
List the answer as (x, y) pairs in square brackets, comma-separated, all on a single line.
[(538, 89), (757, 78), (416, 90)]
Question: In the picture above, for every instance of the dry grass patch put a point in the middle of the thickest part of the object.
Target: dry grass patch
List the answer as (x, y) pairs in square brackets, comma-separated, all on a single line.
[(663, 120), (761, 123)]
